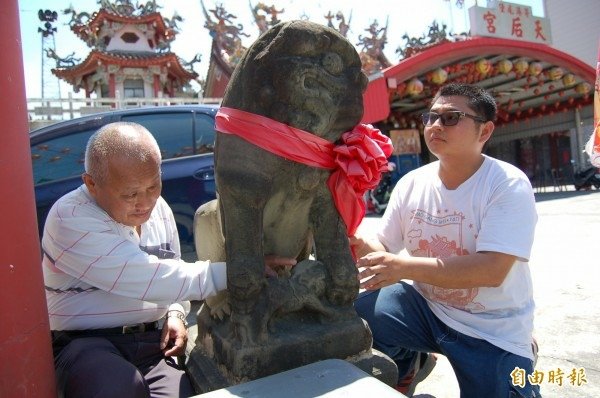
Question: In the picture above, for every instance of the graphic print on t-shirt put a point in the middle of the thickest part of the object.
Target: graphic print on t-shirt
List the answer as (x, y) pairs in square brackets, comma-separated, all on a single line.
[(441, 237)]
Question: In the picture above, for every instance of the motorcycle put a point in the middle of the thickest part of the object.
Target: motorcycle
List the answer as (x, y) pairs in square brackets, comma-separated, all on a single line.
[(586, 178), (379, 197)]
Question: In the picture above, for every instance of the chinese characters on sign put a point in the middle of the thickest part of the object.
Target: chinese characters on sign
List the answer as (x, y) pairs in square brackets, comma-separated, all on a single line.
[(576, 377), (509, 21)]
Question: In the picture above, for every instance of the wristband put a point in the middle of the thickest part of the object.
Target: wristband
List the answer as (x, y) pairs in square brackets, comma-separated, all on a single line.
[(177, 314)]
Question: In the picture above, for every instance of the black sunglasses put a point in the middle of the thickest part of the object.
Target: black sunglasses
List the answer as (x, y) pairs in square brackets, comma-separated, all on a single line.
[(448, 118)]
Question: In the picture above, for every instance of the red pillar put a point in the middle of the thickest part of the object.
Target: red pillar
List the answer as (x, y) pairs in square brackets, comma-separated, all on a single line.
[(26, 367)]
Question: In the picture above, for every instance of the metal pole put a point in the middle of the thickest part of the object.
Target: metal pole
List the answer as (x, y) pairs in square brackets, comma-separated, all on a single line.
[(579, 142), (27, 366), (43, 64)]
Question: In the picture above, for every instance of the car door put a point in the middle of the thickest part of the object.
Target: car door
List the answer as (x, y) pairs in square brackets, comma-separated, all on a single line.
[(57, 155)]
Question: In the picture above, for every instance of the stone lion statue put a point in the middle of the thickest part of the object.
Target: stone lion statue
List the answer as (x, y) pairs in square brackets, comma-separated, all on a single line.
[(286, 183)]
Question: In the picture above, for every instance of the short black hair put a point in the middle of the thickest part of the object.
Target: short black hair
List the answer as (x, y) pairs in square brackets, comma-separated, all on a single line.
[(479, 99)]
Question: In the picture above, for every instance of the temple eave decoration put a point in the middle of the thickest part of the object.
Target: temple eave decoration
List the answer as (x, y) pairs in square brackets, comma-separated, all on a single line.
[(227, 48)]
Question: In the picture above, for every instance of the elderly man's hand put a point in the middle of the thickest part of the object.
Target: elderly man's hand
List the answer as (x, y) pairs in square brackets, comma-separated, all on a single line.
[(276, 264), (174, 337)]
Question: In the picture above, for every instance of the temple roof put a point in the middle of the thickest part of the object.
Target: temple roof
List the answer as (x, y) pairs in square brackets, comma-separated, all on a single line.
[(92, 27), (127, 60), (527, 79)]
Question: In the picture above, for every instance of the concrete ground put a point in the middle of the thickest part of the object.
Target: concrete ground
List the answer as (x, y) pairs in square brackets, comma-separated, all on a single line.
[(565, 265)]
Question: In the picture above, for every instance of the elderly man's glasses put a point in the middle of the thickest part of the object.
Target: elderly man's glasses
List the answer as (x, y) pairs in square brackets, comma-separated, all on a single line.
[(448, 118)]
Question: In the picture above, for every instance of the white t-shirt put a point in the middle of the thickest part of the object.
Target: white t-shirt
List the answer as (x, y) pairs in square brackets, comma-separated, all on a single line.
[(494, 210), (99, 273)]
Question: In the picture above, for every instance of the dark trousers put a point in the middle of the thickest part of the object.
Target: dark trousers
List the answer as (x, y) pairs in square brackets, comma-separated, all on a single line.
[(126, 365)]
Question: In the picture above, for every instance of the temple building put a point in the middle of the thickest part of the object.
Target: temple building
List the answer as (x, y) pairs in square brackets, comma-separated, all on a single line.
[(544, 95), (130, 53)]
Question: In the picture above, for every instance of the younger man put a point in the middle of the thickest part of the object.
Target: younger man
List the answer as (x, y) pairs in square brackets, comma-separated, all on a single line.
[(467, 222)]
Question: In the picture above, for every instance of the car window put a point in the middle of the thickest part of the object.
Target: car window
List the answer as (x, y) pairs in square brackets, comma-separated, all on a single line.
[(60, 157), (204, 133), (173, 132)]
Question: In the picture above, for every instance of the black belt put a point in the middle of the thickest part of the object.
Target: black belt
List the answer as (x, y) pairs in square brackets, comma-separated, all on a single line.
[(128, 329)]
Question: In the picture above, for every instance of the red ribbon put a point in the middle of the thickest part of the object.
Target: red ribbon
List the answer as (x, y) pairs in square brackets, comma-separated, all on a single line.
[(357, 163)]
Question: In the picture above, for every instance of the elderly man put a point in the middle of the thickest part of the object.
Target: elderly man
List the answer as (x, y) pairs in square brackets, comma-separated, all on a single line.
[(112, 270)]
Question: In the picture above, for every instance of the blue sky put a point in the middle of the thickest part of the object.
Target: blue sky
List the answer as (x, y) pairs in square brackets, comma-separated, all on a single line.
[(405, 16)]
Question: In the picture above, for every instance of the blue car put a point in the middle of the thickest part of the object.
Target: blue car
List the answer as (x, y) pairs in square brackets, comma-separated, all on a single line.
[(185, 135)]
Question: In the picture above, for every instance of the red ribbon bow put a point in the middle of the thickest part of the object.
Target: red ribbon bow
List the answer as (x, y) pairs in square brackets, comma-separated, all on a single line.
[(357, 163), (360, 160)]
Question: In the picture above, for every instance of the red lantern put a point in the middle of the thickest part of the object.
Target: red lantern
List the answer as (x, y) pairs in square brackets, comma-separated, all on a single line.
[(483, 66), (583, 88), (414, 87), (504, 66), (568, 79), (535, 68), (401, 89), (556, 73), (521, 66), (439, 76)]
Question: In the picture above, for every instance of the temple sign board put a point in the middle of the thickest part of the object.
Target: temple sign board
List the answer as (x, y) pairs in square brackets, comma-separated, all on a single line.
[(509, 21)]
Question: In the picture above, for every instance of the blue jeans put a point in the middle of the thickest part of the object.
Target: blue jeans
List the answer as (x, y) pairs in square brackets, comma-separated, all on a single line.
[(403, 325)]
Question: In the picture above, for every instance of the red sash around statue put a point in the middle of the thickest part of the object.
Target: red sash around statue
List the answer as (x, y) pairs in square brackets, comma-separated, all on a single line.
[(357, 163)]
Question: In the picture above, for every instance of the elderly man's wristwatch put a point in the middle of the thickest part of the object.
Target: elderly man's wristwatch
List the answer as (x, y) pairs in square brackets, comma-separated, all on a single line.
[(177, 314)]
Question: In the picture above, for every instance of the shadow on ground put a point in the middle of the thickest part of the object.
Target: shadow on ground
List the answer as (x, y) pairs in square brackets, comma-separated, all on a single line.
[(543, 196)]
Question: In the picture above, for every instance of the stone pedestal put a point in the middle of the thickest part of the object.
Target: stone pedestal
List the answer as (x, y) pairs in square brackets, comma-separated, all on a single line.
[(216, 362)]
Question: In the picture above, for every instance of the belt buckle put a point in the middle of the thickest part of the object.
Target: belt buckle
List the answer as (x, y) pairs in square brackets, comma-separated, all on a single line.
[(140, 327)]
